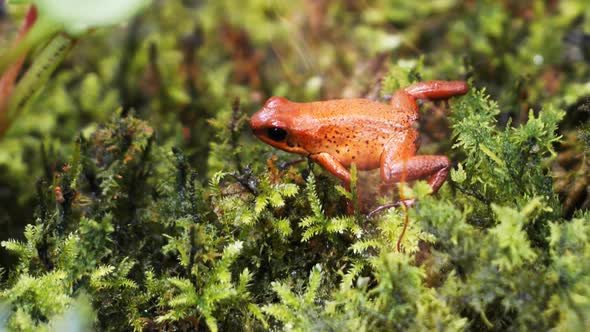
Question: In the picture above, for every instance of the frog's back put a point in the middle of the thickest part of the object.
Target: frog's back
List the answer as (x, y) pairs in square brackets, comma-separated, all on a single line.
[(353, 117), (353, 110), (352, 130)]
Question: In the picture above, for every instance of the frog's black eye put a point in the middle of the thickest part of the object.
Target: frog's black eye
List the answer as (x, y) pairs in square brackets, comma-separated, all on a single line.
[(277, 134)]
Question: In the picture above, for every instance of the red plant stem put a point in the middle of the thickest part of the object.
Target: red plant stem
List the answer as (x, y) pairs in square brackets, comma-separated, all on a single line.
[(406, 221), (7, 80), (402, 199), (9, 76)]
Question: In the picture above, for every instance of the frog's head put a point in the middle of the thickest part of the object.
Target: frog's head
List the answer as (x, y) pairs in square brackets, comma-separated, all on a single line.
[(274, 125)]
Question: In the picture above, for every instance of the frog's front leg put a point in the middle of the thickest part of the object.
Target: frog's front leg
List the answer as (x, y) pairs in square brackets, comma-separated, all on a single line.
[(333, 166)]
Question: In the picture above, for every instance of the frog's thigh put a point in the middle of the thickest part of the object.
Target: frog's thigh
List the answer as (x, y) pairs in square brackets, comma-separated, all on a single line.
[(404, 102), (332, 165), (399, 162)]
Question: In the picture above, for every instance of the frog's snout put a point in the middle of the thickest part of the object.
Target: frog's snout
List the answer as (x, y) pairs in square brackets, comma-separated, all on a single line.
[(269, 114), (257, 121)]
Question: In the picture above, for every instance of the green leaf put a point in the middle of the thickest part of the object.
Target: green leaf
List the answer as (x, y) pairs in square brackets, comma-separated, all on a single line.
[(458, 175), (78, 17)]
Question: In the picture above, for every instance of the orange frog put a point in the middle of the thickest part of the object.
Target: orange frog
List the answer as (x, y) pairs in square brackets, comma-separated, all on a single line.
[(338, 133)]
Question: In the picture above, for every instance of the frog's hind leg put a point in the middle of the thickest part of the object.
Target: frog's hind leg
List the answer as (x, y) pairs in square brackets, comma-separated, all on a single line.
[(437, 89), (404, 100), (399, 163), (398, 160), (435, 168)]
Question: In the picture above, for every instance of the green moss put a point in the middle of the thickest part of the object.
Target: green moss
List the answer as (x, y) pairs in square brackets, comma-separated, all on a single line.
[(150, 205)]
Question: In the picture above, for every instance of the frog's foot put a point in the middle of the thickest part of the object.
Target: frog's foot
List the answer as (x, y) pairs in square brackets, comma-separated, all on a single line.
[(406, 202)]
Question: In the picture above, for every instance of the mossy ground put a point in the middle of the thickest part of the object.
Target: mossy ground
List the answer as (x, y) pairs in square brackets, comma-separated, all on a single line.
[(171, 215)]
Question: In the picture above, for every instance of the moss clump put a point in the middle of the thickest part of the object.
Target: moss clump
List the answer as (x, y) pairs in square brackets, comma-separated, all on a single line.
[(165, 213)]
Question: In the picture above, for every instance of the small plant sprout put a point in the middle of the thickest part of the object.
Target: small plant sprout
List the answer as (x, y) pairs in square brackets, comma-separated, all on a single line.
[(53, 27)]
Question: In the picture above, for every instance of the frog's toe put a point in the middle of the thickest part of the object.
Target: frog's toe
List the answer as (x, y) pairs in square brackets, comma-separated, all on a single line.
[(406, 202)]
